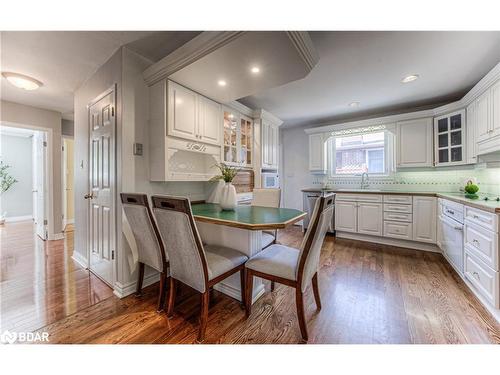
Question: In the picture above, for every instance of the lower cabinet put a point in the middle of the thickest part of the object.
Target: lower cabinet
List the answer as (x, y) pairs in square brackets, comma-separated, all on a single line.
[(370, 218), (346, 216), (424, 219)]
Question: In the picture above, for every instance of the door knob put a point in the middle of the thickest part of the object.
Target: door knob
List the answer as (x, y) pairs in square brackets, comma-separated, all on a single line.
[(89, 196)]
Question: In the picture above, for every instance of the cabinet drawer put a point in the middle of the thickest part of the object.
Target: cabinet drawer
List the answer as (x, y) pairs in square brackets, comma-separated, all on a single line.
[(453, 210), (398, 230), (401, 199), (405, 208), (485, 219), (483, 278), (358, 197), (482, 243), (396, 216)]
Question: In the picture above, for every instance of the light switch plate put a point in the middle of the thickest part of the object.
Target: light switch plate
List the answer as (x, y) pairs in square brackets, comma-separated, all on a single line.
[(138, 149)]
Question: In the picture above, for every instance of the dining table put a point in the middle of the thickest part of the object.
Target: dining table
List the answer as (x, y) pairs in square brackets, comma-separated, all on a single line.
[(240, 229)]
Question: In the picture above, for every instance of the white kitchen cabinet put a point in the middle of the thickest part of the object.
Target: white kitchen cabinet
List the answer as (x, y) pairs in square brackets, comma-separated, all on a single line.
[(471, 115), (238, 138), (414, 143), (450, 139), (270, 145), (424, 219), (191, 116), (346, 216), (369, 217), (317, 153), (488, 120)]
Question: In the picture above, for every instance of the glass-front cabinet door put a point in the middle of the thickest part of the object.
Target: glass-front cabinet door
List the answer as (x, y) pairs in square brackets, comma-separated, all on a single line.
[(449, 141), (238, 139)]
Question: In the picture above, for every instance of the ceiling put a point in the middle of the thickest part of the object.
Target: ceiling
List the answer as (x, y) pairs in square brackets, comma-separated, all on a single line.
[(367, 67), (64, 60)]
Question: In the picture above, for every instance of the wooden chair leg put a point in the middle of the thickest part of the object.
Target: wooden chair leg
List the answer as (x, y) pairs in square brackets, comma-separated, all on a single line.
[(249, 292), (171, 297), (243, 289), (316, 291), (299, 299), (161, 294), (205, 298), (272, 286), (140, 279)]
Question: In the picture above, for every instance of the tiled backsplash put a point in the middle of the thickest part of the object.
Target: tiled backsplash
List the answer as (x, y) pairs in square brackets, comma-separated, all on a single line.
[(436, 180)]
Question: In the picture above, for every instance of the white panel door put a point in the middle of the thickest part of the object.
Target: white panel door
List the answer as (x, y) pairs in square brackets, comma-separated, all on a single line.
[(471, 134), (483, 117), (414, 143), (274, 131), (370, 218), (266, 158), (346, 216), (316, 153), (102, 156), (39, 175), (182, 112), (209, 121), (495, 110), (424, 219)]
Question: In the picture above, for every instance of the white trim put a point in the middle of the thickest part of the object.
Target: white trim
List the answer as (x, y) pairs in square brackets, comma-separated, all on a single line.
[(14, 219), (80, 259), (56, 236), (390, 241), (267, 116), (198, 47), (122, 290), (305, 47), (70, 221)]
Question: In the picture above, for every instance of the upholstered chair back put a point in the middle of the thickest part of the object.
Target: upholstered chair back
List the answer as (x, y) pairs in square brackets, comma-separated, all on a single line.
[(182, 241), (150, 249), (310, 249), (266, 197)]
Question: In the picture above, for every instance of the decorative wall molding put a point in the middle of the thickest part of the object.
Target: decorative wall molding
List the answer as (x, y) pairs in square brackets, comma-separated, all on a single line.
[(305, 47), (80, 259), (195, 49)]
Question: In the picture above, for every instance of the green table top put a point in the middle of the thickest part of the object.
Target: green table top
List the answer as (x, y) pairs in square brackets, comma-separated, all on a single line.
[(247, 217)]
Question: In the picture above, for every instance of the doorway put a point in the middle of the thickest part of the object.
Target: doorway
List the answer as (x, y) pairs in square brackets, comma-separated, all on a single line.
[(24, 182)]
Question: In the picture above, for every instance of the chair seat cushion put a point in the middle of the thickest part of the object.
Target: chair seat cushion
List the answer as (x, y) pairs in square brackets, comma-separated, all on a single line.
[(276, 260), (222, 259), (267, 239)]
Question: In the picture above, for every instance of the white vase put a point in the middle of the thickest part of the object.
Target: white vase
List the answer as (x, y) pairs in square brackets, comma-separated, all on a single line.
[(228, 197)]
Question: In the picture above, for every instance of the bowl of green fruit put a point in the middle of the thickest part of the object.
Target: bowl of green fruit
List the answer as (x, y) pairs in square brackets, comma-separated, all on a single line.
[(471, 190)]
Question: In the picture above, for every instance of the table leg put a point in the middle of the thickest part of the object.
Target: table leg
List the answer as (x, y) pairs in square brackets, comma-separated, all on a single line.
[(249, 242)]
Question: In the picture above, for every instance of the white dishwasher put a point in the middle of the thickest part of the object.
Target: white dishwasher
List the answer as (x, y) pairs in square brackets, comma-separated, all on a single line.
[(451, 233)]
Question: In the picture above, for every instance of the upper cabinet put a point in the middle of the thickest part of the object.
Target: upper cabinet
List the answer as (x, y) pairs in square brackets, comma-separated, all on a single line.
[(471, 116), (449, 139), (414, 143), (192, 116), (238, 139), (488, 120), (317, 153), (270, 145)]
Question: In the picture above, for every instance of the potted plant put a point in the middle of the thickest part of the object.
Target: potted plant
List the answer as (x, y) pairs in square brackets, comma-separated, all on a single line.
[(7, 182), (228, 192), (471, 189)]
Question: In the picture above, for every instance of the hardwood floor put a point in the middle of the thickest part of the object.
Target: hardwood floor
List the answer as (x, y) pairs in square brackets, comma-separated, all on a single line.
[(39, 282), (370, 294)]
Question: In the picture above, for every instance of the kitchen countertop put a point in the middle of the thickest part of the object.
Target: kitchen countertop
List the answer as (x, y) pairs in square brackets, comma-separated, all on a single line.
[(490, 206)]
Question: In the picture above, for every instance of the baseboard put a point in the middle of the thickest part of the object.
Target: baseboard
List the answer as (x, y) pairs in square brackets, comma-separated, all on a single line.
[(13, 219), (71, 221), (123, 290), (236, 293), (80, 259), (390, 241)]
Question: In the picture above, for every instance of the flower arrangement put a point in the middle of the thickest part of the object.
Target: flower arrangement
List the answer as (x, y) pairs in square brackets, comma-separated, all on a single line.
[(6, 179), (227, 173)]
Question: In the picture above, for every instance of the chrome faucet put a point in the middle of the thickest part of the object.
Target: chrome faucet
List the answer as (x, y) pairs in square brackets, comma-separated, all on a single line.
[(364, 181)]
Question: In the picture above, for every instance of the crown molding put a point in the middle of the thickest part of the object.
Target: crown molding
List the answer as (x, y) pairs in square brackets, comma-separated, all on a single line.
[(305, 47), (267, 116), (243, 109), (195, 49), (480, 87)]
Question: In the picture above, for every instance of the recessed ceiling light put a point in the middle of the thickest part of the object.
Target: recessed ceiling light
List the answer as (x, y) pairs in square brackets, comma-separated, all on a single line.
[(22, 81), (222, 83), (231, 115), (410, 78), (354, 104), (255, 69)]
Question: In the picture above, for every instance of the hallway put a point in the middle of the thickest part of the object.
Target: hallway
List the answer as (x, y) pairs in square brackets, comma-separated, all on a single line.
[(39, 281)]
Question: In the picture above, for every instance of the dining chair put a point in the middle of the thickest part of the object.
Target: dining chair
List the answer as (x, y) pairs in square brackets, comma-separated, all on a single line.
[(267, 198), (150, 247), (296, 268), (192, 263)]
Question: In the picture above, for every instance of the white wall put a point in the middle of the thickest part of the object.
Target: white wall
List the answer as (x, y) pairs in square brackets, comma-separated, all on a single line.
[(13, 114), (16, 151)]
